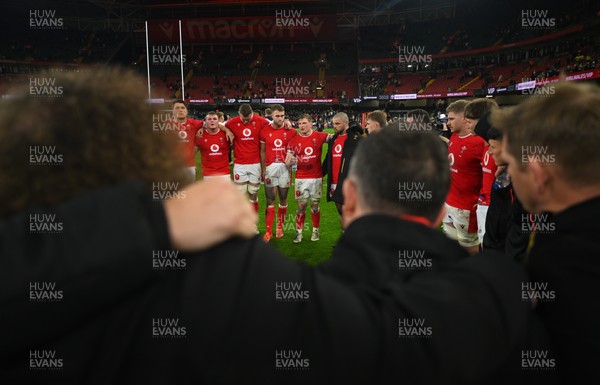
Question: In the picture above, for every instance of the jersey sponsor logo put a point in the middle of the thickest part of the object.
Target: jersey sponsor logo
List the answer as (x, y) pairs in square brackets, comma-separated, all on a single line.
[(338, 148), (486, 158), (278, 143), (451, 159), (247, 132), (183, 134), (214, 147), (308, 151)]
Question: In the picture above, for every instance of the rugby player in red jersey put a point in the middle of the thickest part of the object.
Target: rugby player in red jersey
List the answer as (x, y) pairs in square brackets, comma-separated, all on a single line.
[(274, 140), (465, 151), (305, 151), (339, 153), (214, 149), (187, 128), (246, 151), (340, 125)]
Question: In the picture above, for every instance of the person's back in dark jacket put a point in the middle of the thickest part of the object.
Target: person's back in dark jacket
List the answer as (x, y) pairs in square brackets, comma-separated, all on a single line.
[(564, 264), (504, 223), (243, 313)]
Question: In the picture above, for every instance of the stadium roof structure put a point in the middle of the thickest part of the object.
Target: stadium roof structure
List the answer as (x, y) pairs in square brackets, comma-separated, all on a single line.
[(122, 15)]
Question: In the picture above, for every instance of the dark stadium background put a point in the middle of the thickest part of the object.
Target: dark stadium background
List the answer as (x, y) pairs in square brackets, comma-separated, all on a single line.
[(351, 56)]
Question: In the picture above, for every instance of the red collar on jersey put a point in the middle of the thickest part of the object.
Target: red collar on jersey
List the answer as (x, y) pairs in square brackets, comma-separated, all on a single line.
[(416, 219)]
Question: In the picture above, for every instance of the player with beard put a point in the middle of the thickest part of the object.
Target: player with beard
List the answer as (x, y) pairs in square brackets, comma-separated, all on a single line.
[(274, 140), (214, 149), (338, 156), (305, 151), (465, 151), (246, 129)]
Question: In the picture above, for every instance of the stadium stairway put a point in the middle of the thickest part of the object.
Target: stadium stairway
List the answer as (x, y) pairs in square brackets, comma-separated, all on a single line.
[(467, 84)]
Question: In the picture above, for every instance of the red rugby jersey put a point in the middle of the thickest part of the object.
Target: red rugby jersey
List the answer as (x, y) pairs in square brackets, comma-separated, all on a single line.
[(187, 136), (464, 154), (308, 150), (488, 168), (214, 153), (336, 157), (276, 143), (246, 145)]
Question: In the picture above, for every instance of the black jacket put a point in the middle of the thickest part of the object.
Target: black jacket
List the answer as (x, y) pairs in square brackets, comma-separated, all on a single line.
[(355, 133), (566, 258), (236, 313), (372, 256), (503, 224)]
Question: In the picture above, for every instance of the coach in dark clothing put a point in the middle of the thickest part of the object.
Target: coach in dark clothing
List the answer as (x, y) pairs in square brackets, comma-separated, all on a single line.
[(243, 313), (504, 230), (355, 134), (551, 146)]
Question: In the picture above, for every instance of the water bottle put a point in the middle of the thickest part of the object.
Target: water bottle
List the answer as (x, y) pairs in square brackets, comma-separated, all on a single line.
[(502, 181)]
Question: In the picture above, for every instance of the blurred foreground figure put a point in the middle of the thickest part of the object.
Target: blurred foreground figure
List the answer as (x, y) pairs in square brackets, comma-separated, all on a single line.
[(551, 147), (106, 298)]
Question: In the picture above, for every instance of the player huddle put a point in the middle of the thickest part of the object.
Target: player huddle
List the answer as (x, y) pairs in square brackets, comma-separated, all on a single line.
[(270, 150), (263, 150)]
